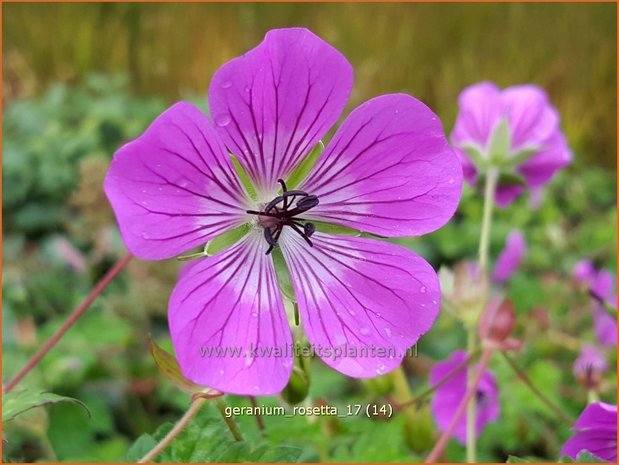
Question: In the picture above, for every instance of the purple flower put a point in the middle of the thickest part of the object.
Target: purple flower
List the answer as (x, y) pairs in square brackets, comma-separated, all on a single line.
[(596, 432), (536, 147), (449, 395), (601, 285), (590, 364), (510, 257), (388, 171)]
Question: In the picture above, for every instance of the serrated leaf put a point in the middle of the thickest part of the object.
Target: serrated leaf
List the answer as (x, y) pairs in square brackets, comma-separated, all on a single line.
[(15, 403), (305, 166), (225, 240), (168, 366)]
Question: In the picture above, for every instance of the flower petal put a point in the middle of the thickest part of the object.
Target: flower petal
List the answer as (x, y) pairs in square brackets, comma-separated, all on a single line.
[(480, 111), (274, 103), (388, 170), (448, 396), (228, 322), (605, 326), (532, 120), (542, 166), (361, 295), (598, 415), (602, 444), (510, 257), (174, 187)]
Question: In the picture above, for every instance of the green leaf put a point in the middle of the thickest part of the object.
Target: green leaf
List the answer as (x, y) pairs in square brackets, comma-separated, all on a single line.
[(518, 158), (305, 166), (514, 459), (140, 448), (583, 457), (168, 366), (244, 177), (17, 402), (225, 240), (207, 439)]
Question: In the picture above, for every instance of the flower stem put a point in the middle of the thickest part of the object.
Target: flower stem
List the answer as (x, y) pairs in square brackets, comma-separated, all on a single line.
[(232, 426), (194, 407), (492, 177), (526, 380), (259, 419), (402, 393), (70, 321), (471, 410), (462, 407)]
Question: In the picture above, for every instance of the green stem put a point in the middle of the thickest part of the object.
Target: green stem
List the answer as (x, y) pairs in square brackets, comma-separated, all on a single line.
[(526, 380), (402, 391), (492, 177), (471, 408), (232, 426)]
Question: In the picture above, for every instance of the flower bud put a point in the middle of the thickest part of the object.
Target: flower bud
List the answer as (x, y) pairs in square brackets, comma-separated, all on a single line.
[(464, 290), (498, 321)]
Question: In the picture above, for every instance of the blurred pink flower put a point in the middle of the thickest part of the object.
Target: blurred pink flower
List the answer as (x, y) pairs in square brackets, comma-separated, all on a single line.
[(449, 395), (510, 257), (590, 362), (536, 147)]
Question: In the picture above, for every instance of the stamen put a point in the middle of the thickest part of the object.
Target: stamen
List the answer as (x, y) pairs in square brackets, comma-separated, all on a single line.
[(278, 210)]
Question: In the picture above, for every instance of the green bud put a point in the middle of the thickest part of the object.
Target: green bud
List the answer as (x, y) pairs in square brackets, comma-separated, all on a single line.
[(419, 433)]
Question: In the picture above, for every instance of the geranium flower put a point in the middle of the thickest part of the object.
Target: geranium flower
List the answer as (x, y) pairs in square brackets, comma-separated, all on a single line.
[(510, 257), (449, 395), (601, 285), (534, 145), (590, 365), (596, 432), (387, 171)]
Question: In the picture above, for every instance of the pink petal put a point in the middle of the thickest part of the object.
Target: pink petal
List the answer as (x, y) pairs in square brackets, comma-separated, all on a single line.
[(598, 415), (449, 395), (509, 259), (359, 294), (174, 186), (480, 111), (584, 272), (274, 103), (605, 326), (540, 168), (532, 119), (602, 444), (388, 170), (230, 304)]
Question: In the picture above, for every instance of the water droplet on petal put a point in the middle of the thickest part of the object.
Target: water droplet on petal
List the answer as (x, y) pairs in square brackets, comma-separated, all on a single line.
[(423, 289), (434, 302), (145, 235), (388, 332), (365, 331), (377, 315), (352, 312), (380, 369), (451, 181), (221, 372), (223, 120), (226, 84), (248, 361), (247, 89), (254, 314)]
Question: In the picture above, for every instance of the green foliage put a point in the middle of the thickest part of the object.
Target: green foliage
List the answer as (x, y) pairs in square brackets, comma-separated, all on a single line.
[(21, 400)]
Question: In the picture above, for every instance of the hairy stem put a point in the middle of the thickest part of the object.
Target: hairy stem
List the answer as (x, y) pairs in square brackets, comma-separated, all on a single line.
[(471, 409), (259, 419), (232, 426), (194, 407), (470, 393), (70, 321), (526, 380)]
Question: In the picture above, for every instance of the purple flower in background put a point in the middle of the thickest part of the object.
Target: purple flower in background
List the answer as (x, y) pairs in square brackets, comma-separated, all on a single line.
[(601, 285), (388, 170), (536, 147), (589, 365), (510, 257), (449, 395), (596, 432)]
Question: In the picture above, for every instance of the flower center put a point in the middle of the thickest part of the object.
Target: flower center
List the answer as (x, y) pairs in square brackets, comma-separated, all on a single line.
[(282, 211)]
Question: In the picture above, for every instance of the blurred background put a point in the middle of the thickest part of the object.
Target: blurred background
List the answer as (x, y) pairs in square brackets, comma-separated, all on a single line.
[(81, 79)]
